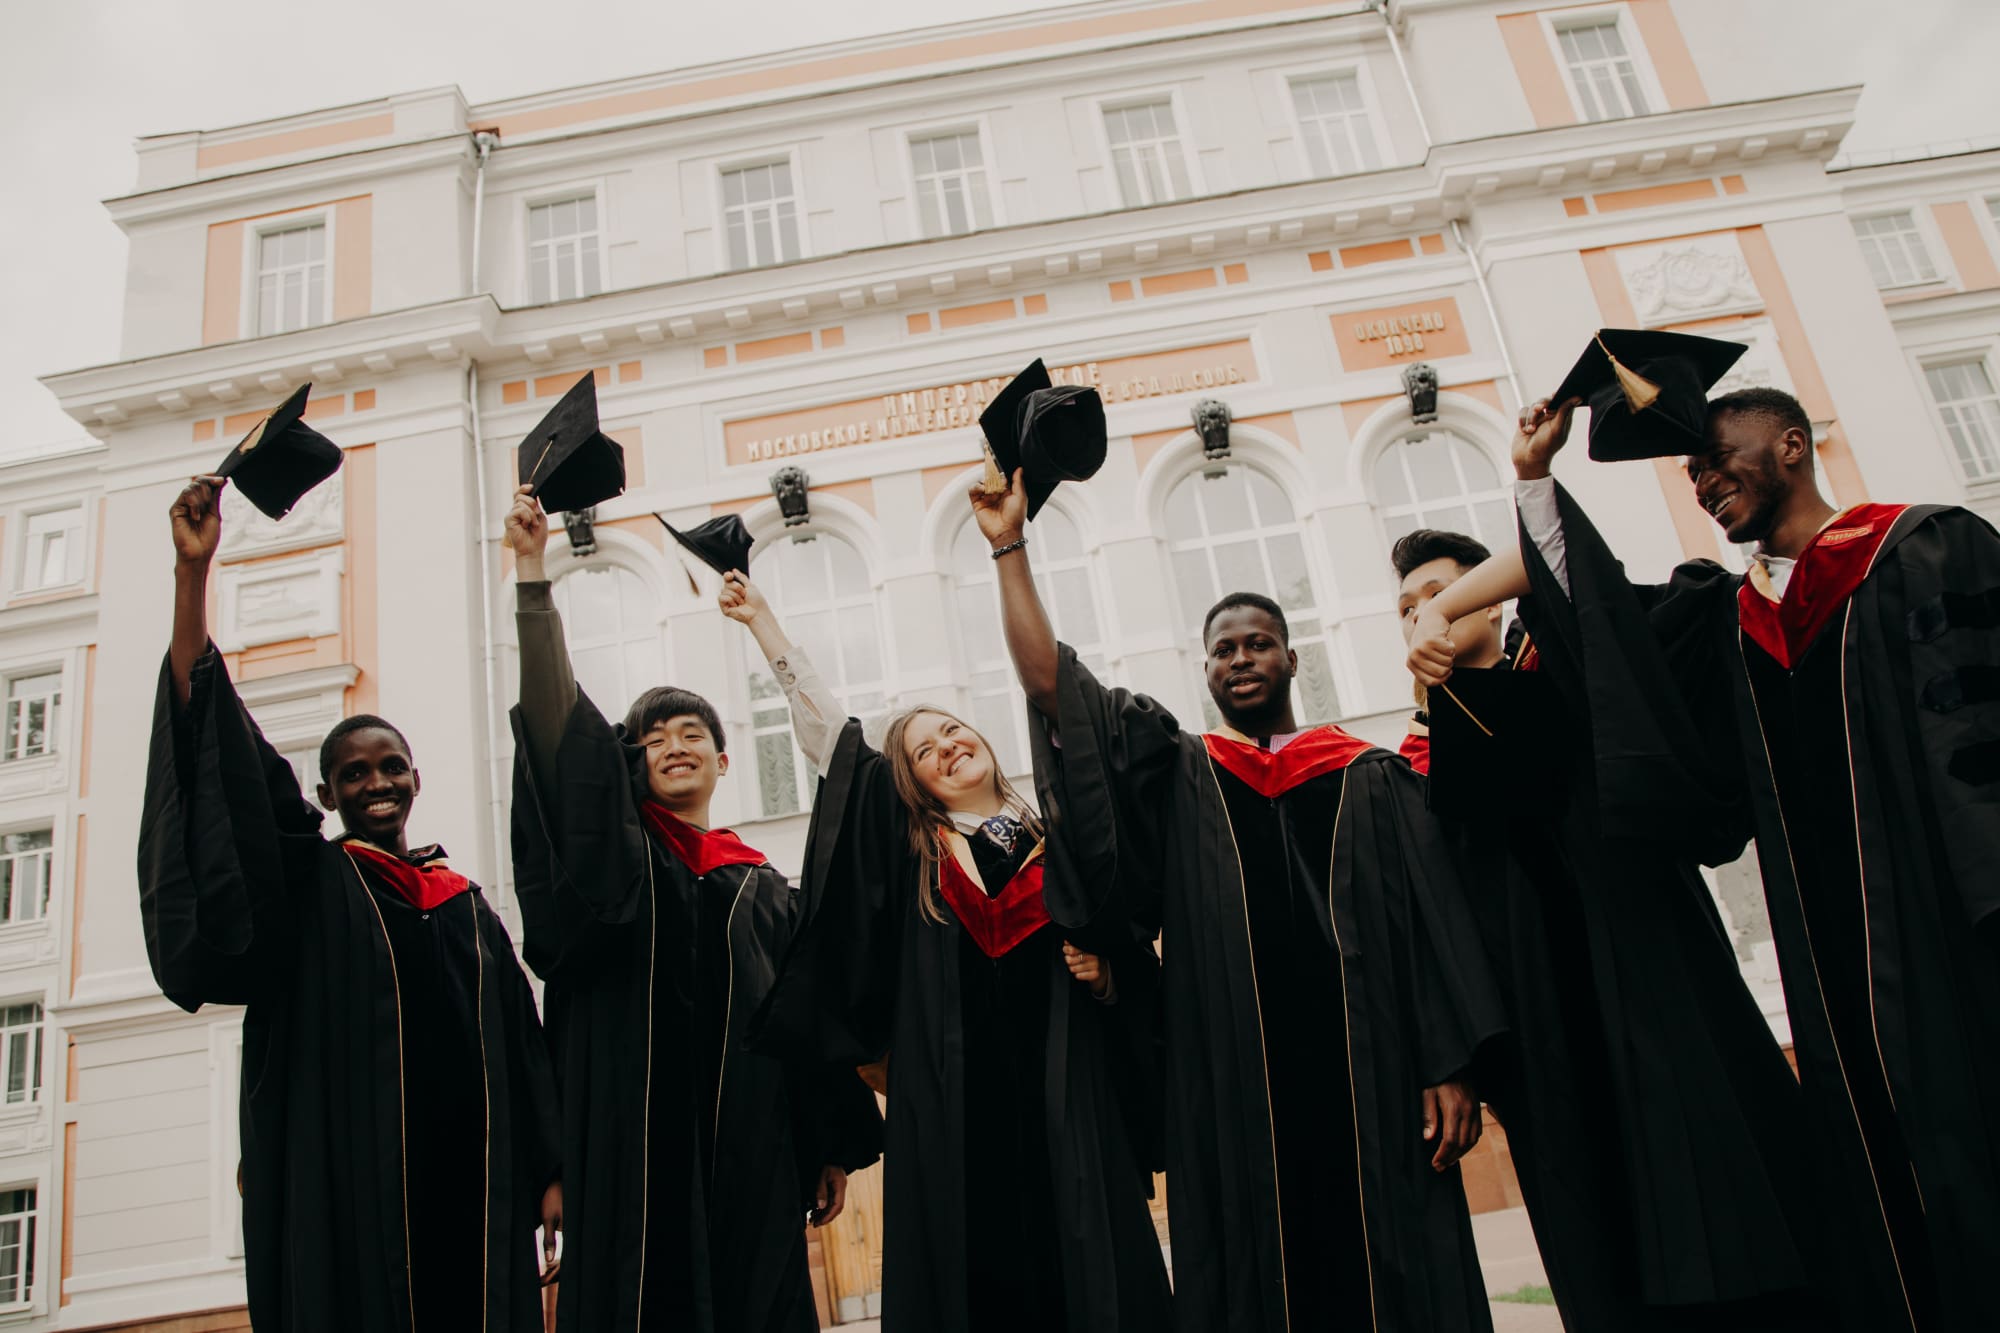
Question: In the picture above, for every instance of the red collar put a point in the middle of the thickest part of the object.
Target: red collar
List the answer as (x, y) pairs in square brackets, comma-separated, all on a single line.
[(1417, 749), (1272, 773), (701, 852), (999, 923), (1828, 571), (424, 887)]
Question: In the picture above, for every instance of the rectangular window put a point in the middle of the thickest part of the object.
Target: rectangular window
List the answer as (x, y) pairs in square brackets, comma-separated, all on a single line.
[(28, 727), (291, 279), (53, 554), (17, 1246), (1970, 410), (1895, 250), (949, 173), (562, 250), (1146, 153), (1333, 120), (21, 1043), (1601, 70), (26, 862), (760, 214)]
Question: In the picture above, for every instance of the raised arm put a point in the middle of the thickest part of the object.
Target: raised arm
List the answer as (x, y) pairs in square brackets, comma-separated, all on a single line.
[(816, 713), (548, 686), (1031, 640), (197, 523)]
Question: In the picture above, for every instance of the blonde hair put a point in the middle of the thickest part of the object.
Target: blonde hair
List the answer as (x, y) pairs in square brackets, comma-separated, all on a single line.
[(930, 819)]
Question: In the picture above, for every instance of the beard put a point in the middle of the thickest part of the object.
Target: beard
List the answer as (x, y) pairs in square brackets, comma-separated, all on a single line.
[(1261, 716)]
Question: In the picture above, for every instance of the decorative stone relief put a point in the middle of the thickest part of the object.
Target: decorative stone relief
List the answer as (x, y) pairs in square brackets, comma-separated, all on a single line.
[(1688, 279), (286, 599), (318, 518)]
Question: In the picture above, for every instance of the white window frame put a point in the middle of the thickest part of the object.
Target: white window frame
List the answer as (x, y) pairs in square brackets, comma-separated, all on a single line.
[(52, 825), (746, 161), (1984, 354), (1502, 490), (58, 745), (602, 562), (832, 671), (978, 125), (1556, 22), (1924, 223), (22, 519), (1132, 97), (1364, 78), (225, 1137), (253, 244), (38, 1038), (37, 1249), (560, 194)]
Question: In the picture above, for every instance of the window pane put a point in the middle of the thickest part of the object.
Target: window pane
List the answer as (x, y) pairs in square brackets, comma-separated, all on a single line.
[(1225, 501)]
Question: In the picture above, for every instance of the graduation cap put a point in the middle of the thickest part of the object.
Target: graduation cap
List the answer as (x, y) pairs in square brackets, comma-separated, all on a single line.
[(1494, 747), (281, 458), (1647, 391), (722, 543), (1052, 434), (570, 462)]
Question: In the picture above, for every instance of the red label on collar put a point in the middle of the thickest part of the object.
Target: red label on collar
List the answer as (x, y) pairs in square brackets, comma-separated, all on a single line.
[(999, 923), (1272, 773), (701, 852), (1416, 749), (1828, 571), (424, 887)]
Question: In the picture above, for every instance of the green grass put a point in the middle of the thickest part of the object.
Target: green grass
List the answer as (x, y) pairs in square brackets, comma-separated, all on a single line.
[(1527, 1295)]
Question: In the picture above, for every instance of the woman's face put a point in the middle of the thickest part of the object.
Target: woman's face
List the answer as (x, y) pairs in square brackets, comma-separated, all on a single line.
[(951, 760)]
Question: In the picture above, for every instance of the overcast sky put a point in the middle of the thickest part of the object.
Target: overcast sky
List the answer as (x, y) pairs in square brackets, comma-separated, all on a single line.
[(80, 79)]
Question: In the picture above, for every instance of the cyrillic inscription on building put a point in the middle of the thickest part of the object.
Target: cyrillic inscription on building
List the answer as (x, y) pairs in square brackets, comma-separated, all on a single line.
[(1370, 339), (944, 407)]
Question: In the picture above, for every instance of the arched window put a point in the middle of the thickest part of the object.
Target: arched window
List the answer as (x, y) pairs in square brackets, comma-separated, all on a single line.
[(1234, 531), (612, 621), (1063, 577), (1435, 479), (821, 591)]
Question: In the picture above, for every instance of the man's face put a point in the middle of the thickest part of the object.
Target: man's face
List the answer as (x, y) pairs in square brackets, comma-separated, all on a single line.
[(1740, 479), (372, 785), (1476, 638), (1249, 668), (682, 765)]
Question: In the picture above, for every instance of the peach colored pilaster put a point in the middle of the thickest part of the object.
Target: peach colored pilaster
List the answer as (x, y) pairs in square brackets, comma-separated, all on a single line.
[(353, 257), (1970, 254), (1673, 64), (222, 286)]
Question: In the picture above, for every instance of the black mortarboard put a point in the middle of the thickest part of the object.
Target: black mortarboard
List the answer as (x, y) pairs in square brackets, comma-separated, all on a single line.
[(281, 458), (567, 459), (1495, 745), (1647, 390), (722, 543), (1052, 434)]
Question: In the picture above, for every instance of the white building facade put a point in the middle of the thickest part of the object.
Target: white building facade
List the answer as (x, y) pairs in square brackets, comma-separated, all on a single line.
[(828, 260)]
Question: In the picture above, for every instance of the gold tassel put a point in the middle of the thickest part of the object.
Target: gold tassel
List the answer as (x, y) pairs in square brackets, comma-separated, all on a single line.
[(1640, 392), (991, 480)]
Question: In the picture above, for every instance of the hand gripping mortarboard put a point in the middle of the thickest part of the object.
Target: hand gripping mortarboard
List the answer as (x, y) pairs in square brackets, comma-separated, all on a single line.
[(567, 460), (281, 458), (1051, 433), (1647, 390), (721, 543)]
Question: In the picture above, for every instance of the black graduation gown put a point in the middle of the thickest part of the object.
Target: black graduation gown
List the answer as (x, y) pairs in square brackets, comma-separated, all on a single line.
[(1650, 1113), (1320, 970), (692, 1161), (1018, 1158), (398, 1116), (1872, 772)]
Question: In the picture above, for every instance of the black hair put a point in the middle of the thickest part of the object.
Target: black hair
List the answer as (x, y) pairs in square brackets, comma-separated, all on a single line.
[(662, 702), (346, 727), (1255, 600), (1774, 405), (1413, 550)]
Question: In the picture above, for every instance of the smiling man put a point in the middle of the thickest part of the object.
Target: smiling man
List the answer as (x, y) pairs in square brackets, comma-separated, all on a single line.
[(694, 1162), (1326, 999), (1845, 692), (399, 1132)]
